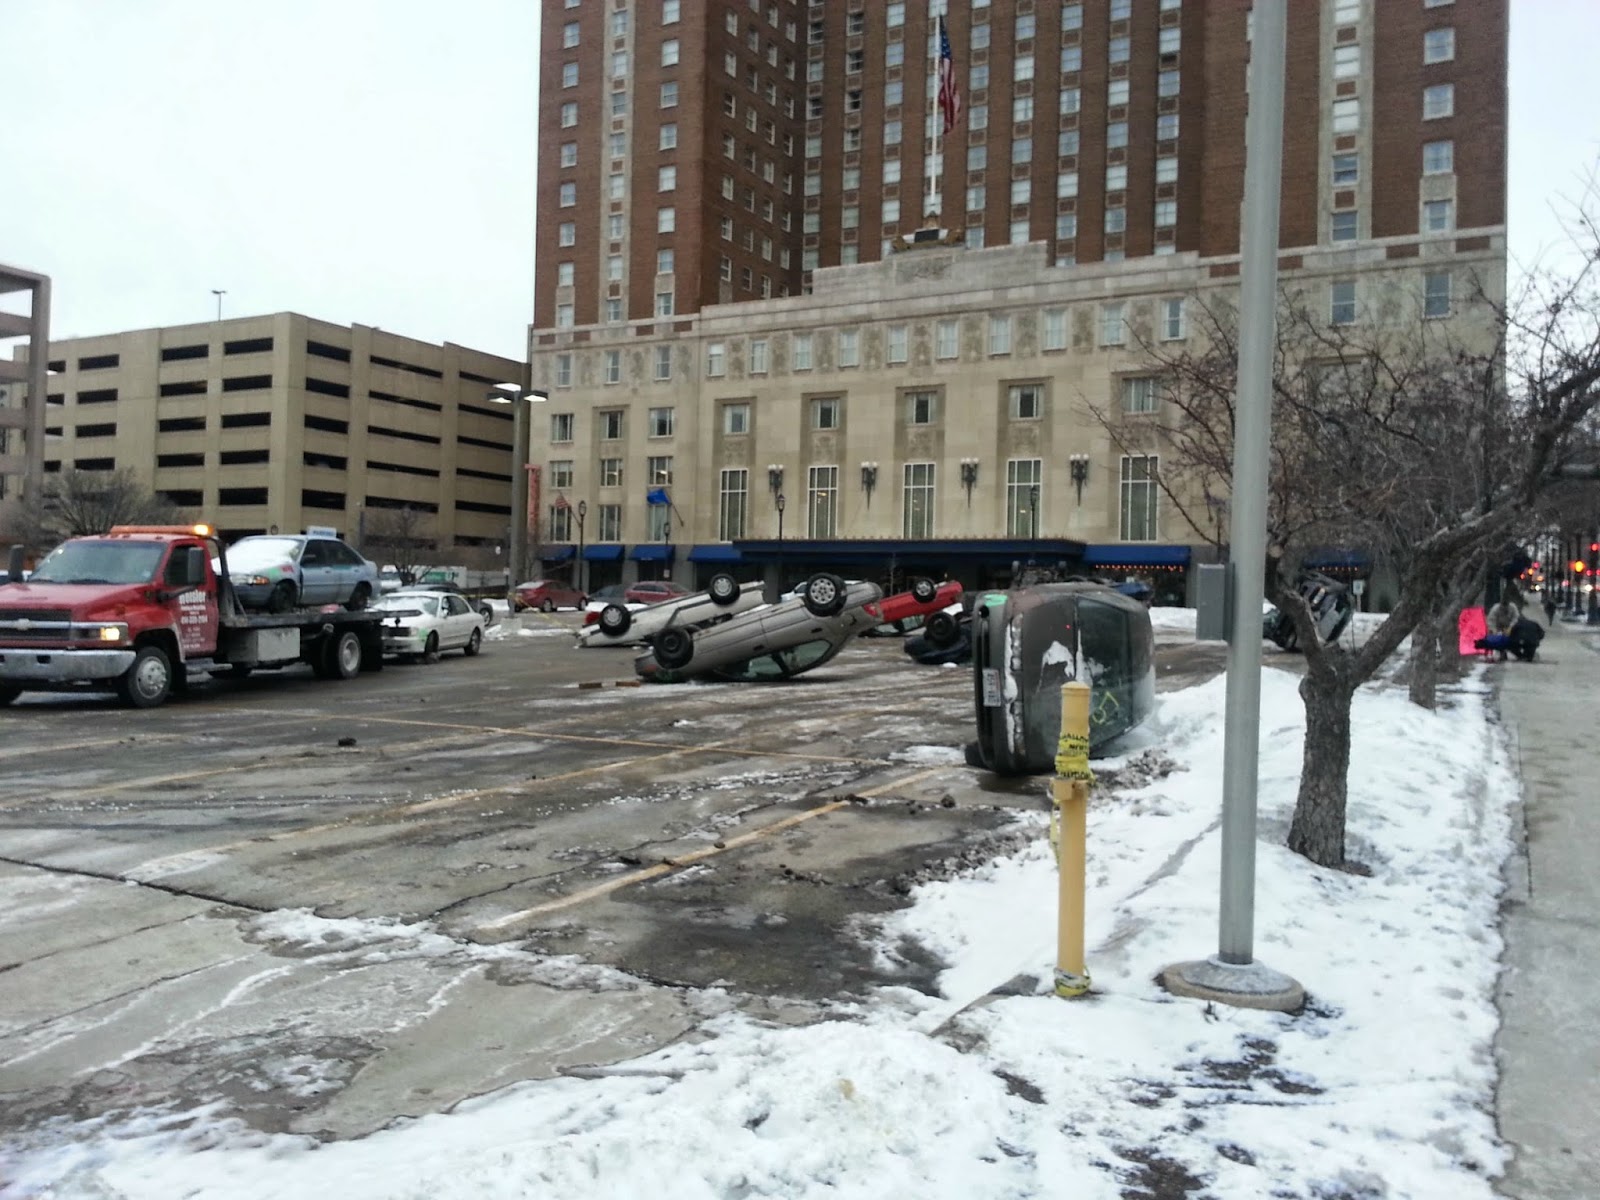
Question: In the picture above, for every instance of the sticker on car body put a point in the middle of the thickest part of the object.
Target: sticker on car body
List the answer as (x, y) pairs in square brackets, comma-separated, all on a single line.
[(993, 696)]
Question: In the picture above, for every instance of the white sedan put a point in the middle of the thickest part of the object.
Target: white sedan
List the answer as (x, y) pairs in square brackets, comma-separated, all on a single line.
[(438, 621), (623, 624)]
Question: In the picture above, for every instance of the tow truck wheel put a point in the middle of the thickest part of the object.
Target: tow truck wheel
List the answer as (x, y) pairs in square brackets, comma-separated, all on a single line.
[(724, 588), (8, 693), (344, 655), (148, 681), (924, 590)]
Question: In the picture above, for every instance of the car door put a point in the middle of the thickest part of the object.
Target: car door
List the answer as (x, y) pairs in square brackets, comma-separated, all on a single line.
[(345, 570), (458, 622), (316, 573)]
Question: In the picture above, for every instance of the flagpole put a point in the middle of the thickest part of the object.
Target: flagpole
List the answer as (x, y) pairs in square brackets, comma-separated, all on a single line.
[(937, 166)]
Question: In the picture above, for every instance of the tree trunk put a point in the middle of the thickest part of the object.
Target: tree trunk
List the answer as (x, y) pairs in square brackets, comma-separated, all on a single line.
[(1319, 811), (1427, 648)]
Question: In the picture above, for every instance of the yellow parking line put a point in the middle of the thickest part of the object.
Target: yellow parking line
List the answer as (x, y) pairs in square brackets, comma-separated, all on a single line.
[(646, 874)]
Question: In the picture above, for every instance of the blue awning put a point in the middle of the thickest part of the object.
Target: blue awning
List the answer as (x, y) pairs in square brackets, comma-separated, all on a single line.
[(717, 552), (605, 552), (653, 552), (1331, 558), (555, 553), (1136, 556)]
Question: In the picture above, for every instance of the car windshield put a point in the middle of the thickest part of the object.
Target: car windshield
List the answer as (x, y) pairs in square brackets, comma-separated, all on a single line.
[(100, 562), (264, 551), (401, 602), (783, 663)]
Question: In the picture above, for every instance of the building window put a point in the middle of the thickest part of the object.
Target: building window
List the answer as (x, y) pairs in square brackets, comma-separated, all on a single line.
[(733, 502), (569, 195), (664, 304), (663, 367), (1026, 401), (736, 419), (610, 472), (669, 52), (669, 12), (1439, 158), (1175, 320), (1066, 185), (567, 233), (661, 418), (1342, 302), (610, 529), (1346, 115), (564, 316), (614, 268), (669, 136), (569, 154), (669, 94), (561, 427), (1438, 101), (1139, 394), (1022, 68), (1113, 330), (1117, 93), (611, 425), (667, 179), (664, 261), (1067, 143), (658, 470), (849, 348), (922, 408), (825, 413), (1117, 177), (1346, 61), (569, 114), (947, 339), (613, 310), (560, 523), (564, 274), (666, 219), (919, 500), (800, 351), (1167, 169), (1071, 100), (1023, 477), (1167, 127), (758, 356), (1346, 170), (822, 502), (1436, 294), (1438, 216), (1343, 226), (1018, 232), (569, 35), (569, 75), (897, 344), (1066, 226), (716, 359), (1055, 329), (561, 473), (1138, 516), (1166, 214), (1117, 135), (1438, 45), (1346, 12), (1000, 334), (613, 366)]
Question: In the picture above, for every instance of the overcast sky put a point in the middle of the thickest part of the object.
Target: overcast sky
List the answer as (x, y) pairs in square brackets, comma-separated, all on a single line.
[(373, 160)]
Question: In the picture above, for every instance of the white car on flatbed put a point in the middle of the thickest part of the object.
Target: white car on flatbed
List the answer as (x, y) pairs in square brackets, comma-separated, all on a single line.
[(624, 625)]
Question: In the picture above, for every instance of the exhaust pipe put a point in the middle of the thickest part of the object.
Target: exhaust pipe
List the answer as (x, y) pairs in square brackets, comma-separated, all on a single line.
[(14, 565)]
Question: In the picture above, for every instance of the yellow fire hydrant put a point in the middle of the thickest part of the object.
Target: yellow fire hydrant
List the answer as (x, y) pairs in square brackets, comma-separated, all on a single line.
[(1069, 832)]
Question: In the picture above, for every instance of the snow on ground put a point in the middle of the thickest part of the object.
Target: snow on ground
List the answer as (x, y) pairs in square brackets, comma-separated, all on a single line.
[(1382, 1088)]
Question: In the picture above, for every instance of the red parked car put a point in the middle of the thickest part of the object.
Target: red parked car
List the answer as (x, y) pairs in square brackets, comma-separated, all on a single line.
[(924, 598), (653, 591), (546, 595)]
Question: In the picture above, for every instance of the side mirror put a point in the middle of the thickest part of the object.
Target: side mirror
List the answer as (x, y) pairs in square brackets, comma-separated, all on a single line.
[(14, 565)]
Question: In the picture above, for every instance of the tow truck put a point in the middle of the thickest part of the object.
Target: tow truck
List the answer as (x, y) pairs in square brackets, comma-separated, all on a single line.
[(142, 610)]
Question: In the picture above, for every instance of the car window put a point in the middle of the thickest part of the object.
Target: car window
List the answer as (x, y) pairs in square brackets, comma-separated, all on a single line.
[(314, 555), (457, 605), (338, 552), (783, 663)]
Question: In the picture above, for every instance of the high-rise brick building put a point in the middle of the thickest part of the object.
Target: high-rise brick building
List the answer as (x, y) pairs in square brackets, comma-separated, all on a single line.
[(703, 160)]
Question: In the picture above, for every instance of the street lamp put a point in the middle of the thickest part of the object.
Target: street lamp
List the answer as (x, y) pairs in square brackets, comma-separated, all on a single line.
[(219, 293), (522, 522), (778, 501), (869, 479), (969, 477), (774, 478), (1033, 511), (583, 511), (1080, 473)]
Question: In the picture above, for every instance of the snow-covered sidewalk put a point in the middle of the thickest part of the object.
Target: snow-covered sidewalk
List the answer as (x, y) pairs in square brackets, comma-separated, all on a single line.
[(1381, 1088)]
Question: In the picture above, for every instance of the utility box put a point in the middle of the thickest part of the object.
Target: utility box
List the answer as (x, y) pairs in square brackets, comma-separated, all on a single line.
[(1213, 612)]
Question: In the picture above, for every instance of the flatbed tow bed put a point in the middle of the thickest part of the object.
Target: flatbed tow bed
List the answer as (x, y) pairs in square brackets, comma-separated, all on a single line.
[(172, 619)]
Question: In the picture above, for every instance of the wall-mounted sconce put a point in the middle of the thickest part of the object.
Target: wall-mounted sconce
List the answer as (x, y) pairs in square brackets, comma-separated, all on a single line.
[(1080, 473), (774, 478), (869, 479), (969, 477)]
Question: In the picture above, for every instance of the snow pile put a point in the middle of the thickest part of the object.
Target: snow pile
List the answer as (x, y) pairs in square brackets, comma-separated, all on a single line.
[(1381, 1088)]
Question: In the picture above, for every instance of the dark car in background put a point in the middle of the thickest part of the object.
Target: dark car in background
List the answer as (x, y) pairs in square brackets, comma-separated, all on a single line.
[(1027, 643)]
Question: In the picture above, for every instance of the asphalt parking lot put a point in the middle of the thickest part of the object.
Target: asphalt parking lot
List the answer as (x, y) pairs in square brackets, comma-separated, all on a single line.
[(328, 905)]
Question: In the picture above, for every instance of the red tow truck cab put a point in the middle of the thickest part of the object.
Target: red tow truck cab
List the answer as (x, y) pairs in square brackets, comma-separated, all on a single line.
[(141, 610)]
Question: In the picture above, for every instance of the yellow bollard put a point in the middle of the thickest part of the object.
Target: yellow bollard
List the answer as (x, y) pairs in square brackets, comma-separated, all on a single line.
[(1070, 832)]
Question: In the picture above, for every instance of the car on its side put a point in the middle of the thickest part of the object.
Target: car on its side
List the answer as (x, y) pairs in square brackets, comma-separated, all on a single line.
[(620, 624), (277, 572), (945, 637), (776, 641), (427, 622), (654, 591), (546, 595), (1331, 608)]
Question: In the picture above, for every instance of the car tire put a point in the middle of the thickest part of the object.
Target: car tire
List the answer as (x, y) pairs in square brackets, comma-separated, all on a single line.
[(548, 605), (723, 589), (973, 754), (823, 594), (941, 630), (360, 598), (486, 611), (924, 590), (674, 648), (474, 644), (430, 649), (148, 681), (615, 620), (283, 597), (8, 693)]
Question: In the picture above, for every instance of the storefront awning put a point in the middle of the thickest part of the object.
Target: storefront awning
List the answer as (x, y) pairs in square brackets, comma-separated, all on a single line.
[(1136, 556), (1332, 558), (555, 553), (717, 552), (605, 552), (653, 552)]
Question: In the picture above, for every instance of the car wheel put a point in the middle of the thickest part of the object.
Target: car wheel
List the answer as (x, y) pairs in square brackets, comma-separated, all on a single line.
[(973, 753), (924, 590), (474, 644), (8, 693), (430, 649), (359, 599), (486, 611), (615, 620), (723, 588), (823, 594), (282, 598), (674, 648), (941, 630), (148, 681), (549, 605)]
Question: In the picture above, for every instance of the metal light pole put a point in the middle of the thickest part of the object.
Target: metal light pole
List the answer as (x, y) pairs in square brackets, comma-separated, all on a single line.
[(779, 501), (1232, 976), (1033, 512), (219, 293), (582, 571), (519, 398)]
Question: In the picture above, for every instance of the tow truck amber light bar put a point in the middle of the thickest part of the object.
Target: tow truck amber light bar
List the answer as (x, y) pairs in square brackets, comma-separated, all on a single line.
[(185, 530)]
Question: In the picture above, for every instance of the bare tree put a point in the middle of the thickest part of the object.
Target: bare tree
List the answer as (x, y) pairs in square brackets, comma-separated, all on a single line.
[(1426, 442), (405, 537), (75, 503)]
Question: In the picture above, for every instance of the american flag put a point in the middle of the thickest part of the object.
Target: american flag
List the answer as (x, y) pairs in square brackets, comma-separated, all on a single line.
[(949, 90)]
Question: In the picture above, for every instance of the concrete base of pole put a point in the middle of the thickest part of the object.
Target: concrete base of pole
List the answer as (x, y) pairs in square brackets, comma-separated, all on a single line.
[(1249, 986)]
